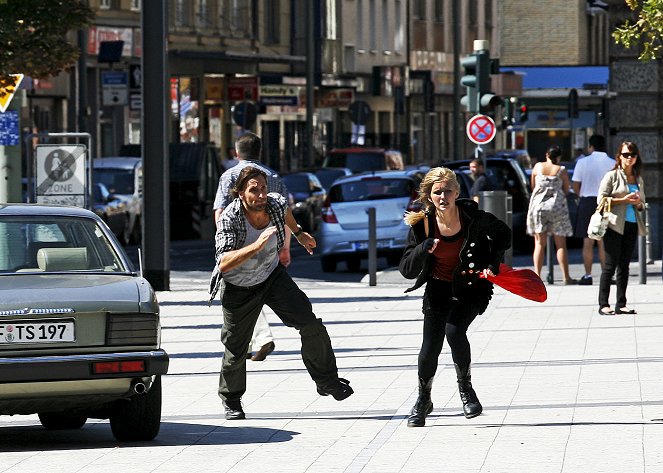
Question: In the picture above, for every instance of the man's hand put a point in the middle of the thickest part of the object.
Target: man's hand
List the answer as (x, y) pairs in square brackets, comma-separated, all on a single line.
[(264, 236), (284, 256), (307, 241)]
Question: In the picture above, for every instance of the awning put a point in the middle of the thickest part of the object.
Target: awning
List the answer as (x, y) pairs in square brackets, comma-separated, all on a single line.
[(563, 77)]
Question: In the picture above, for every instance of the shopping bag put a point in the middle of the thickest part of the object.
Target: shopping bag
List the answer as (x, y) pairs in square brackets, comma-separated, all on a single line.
[(521, 282), (598, 223)]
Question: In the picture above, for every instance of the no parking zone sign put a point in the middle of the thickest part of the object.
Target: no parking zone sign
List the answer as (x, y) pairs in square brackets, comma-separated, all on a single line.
[(61, 174), (481, 129)]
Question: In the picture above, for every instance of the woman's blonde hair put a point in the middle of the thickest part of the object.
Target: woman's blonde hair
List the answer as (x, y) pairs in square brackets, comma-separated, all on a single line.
[(433, 176)]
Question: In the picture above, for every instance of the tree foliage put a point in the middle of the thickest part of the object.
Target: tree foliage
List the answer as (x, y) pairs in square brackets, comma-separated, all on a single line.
[(33, 35), (645, 30)]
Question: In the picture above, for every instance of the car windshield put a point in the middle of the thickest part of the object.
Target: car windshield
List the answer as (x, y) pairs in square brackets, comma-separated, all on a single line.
[(296, 183), (118, 181), (328, 176), (357, 162), (31, 244), (371, 189)]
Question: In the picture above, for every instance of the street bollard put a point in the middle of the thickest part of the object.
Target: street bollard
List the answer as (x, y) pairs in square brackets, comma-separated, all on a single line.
[(499, 203), (372, 247), (549, 259), (642, 253)]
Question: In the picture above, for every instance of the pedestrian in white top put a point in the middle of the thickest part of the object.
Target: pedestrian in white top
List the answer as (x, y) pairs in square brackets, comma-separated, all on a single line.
[(586, 179)]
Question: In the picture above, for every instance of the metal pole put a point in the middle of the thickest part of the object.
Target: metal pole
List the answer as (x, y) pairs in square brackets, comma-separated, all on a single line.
[(310, 70), (642, 254), (549, 259), (372, 247), (458, 129), (154, 126)]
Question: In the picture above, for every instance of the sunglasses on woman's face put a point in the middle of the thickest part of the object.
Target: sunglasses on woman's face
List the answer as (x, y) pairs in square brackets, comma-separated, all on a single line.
[(629, 155)]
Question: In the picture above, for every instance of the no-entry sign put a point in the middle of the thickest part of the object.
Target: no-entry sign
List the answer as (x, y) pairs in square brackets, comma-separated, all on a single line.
[(481, 129)]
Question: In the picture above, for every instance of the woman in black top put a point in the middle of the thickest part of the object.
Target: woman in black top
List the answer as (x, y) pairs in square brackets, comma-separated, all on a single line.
[(450, 244)]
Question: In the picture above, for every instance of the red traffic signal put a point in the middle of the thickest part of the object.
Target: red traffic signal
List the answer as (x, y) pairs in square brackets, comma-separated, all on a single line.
[(523, 113)]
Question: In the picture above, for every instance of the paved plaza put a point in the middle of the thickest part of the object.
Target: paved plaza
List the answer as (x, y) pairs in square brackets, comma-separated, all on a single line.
[(563, 388)]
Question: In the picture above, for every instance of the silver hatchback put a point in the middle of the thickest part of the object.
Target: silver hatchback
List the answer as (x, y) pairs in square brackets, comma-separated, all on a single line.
[(344, 229)]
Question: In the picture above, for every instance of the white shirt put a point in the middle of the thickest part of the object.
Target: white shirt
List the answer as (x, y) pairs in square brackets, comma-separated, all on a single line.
[(590, 170)]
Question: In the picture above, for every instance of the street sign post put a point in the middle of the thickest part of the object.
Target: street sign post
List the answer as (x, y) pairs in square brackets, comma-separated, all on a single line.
[(481, 129)]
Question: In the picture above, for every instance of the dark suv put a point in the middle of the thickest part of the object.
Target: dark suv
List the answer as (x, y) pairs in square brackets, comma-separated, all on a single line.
[(507, 174)]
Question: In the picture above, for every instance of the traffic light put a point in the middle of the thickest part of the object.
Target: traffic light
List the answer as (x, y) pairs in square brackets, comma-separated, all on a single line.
[(478, 68), (469, 80), (522, 118)]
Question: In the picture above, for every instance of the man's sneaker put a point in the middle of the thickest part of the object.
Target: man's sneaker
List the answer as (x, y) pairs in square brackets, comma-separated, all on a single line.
[(585, 281), (234, 410), (340, 389)]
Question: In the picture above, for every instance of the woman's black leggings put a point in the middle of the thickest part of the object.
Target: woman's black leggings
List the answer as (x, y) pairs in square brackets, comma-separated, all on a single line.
[(444, 316)]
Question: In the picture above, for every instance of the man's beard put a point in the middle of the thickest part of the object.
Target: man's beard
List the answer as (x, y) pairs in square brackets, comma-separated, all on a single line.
[(255, 207)]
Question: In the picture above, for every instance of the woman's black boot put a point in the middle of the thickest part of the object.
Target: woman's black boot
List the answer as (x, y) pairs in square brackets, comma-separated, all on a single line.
[(423, 406), (471, 405)]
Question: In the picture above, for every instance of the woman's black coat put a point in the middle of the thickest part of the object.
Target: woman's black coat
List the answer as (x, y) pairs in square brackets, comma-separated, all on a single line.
[(485, 239)]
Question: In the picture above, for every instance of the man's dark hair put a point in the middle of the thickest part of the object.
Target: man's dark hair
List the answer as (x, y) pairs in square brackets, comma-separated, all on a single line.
[(597, 142), (477, 161), (248, 146), (245, 175)]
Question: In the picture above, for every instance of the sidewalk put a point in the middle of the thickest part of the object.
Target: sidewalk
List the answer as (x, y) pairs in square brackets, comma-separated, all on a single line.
[(563, 390)]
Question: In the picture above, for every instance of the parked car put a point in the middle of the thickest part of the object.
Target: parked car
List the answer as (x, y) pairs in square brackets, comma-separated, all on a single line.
[(344, 230), (364, 159), (79, 327), (112, 210), (308, 195), (327, 176), (507, 174), (123, 176)]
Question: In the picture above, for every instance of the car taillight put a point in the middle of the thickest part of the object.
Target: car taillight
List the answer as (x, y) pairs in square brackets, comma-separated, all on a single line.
[(104, 367), (327, 213)]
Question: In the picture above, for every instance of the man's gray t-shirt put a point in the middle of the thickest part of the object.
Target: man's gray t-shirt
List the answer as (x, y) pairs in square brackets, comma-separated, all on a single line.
[(229, 177), (257, 268)]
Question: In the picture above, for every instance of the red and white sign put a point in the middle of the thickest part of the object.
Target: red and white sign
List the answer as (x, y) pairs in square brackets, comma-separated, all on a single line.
[(481, 129)]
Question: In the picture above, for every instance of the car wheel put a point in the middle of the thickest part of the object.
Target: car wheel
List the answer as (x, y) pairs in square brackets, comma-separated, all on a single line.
[(61, 421), (309, 225), (353, 264), (136, 234), (138, 418), (328, 264), (393, 259), (126, 233)]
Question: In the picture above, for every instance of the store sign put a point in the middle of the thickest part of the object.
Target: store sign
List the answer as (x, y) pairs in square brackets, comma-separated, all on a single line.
[(97, 34), (242, 88), (336, 98), (279, 94)]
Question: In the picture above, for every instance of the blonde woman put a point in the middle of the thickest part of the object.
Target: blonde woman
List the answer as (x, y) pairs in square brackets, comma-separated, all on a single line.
[(451, 242)]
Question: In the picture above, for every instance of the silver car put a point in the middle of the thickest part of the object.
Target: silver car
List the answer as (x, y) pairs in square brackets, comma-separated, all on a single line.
[(123, 176), (344, 229), (79, 327)]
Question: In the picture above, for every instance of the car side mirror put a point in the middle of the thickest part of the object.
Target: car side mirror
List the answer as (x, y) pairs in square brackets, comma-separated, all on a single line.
[(316, 189)]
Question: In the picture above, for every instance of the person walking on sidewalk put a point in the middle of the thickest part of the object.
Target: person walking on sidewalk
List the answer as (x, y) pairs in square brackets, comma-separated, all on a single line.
[(481, 180), (451, 242), (625, 187), (251, 231), (548, 211), (587, 176), (247, 149)]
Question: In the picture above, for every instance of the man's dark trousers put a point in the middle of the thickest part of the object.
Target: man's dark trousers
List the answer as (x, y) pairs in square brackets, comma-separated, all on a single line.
[(241, 307)]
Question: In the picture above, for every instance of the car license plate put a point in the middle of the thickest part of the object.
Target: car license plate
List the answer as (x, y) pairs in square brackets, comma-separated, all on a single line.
[(33, 331), (363, 245)]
